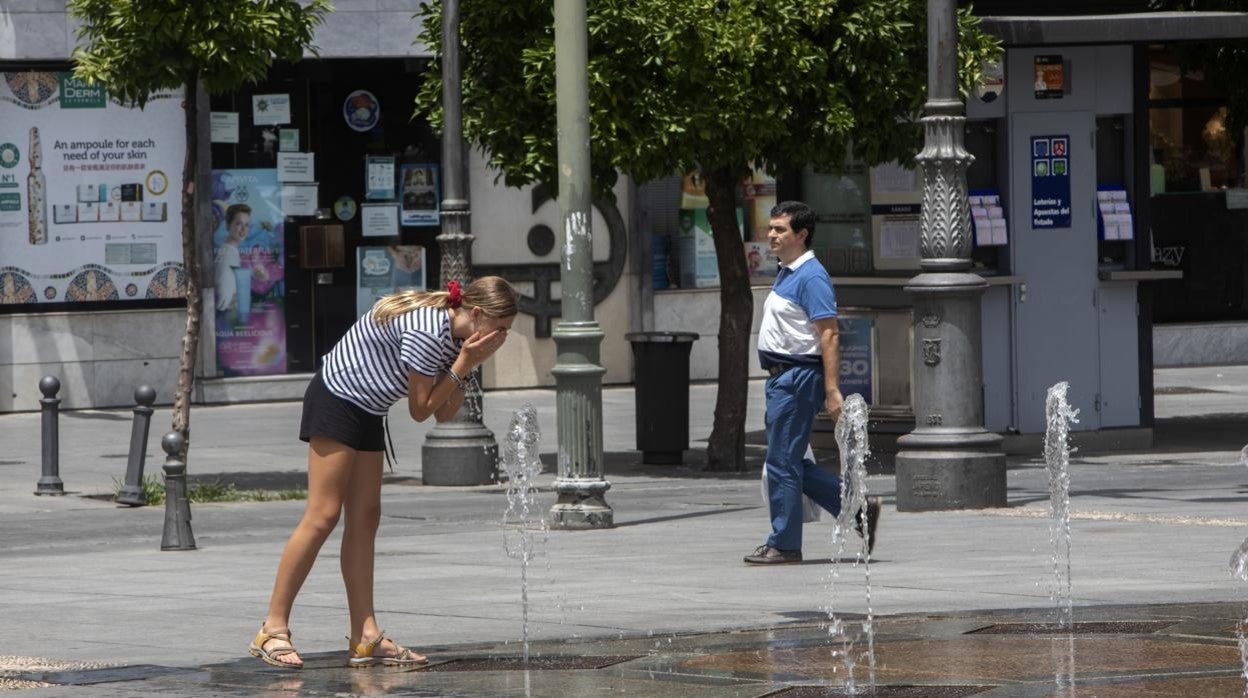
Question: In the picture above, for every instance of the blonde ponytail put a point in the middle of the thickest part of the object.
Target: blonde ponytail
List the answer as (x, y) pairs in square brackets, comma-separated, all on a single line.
[(492, 294), (395, 304)]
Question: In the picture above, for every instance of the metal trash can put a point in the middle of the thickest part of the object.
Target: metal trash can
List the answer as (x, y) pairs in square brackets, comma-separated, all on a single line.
[(661, 383)]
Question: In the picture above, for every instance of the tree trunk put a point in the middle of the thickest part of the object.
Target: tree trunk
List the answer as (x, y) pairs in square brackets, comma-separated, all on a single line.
[(726, 449), (190, 257)]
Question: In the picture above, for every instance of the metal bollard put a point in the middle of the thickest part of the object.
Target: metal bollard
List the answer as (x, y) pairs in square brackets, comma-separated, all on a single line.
[(178, 534), (50, 483), (132, 490)]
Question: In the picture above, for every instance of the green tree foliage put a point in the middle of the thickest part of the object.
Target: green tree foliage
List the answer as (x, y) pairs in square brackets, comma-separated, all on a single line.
[(717, 85), (136, 48), (678, 84)]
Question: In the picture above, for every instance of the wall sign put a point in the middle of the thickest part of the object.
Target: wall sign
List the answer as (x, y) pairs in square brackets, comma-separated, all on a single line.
[(270, 109), (1050, 77), (361, 110), (295, 167), (1050, 181), (991, 83), (379, 220)]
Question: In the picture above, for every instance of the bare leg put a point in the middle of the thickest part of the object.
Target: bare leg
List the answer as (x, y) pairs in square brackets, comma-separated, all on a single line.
[(359, 535), (330, 464)]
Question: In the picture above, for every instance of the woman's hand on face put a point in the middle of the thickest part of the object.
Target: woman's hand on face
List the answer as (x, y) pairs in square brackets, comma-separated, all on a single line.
[(482, 345)]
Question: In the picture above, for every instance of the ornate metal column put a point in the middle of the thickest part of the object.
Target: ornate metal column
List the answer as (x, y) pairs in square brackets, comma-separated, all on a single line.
[(578, 376), (949, 461), (460, 451)]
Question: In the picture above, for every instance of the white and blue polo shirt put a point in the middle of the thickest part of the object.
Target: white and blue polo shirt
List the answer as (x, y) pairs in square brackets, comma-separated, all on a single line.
[(801, 294)]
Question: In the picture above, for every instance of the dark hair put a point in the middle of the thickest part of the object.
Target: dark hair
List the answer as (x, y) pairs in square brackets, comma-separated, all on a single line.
[(801, 217), (234, 210)]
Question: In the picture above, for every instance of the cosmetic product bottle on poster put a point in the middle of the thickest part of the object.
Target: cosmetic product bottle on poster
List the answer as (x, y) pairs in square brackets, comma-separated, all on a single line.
[(36, 193)]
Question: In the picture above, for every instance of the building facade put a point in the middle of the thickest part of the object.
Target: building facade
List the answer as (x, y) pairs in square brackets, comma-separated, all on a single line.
[(321, 193)]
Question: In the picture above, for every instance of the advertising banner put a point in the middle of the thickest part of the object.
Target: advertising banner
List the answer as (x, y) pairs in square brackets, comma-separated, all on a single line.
[(381, 271), (857, 371), (1050, 181), (420, 194), (248, 271), (90, 202)]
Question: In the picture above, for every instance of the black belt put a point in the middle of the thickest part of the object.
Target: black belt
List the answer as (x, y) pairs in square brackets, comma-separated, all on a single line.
[(777, 369)]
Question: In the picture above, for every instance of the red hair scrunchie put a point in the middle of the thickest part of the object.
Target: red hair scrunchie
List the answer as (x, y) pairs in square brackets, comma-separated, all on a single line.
[(456, 295)]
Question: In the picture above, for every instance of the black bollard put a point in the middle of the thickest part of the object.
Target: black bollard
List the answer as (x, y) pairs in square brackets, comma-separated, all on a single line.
[(132, 490), (50, 483), (178, 534)]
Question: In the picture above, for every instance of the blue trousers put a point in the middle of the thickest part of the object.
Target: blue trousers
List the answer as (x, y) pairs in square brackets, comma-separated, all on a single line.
[(794, 398)]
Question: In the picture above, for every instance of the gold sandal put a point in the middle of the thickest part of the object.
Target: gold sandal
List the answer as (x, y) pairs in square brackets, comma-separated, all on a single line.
[(361, 655), (272, 656)]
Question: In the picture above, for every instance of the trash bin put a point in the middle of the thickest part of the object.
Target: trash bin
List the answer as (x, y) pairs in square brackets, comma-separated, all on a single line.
[(661, 382)]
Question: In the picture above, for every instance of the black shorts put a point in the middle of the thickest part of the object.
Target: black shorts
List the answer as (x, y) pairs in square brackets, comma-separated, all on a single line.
[(326, 414)]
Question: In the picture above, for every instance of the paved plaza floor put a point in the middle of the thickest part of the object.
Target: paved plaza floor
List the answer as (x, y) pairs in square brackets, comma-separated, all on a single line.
[(661, 604)]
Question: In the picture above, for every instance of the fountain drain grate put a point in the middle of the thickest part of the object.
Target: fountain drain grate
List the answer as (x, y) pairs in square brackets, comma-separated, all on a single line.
[(534, 663), (1109, 627), (882, 691)]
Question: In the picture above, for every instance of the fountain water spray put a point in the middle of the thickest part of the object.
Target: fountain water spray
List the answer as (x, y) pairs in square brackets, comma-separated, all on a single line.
[(1059, 415), (1239, 570), (522, 464), (851, 440)]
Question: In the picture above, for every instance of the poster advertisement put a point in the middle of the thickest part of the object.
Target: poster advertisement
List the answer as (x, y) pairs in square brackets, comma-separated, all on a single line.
[(420, 194), (758, 196), (1050, 181), (379, 177), (857, 371), (90, 209), (248, 272), (384, 270), (1050, 73)]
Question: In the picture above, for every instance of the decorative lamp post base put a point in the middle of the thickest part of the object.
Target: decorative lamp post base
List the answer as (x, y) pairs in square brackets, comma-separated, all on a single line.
[(459, 453), (949, 461), (948, 472), (50, 485), (581, 505)]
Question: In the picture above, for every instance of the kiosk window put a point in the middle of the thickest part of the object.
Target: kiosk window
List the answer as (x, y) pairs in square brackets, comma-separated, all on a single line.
[(1193, 148)]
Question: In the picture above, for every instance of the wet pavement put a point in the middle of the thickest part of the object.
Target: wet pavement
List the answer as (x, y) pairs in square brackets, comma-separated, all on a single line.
[(1156, 650)]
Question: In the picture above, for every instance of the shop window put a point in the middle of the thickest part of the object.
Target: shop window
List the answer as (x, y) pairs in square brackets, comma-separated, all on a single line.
[(1192, 150)]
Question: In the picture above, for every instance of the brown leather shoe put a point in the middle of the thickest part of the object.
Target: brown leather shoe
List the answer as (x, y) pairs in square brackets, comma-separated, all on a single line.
[(767, 555), (873, 521)]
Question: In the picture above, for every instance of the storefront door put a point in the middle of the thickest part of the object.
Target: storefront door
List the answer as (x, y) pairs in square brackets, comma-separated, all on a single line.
[(1053, 173)]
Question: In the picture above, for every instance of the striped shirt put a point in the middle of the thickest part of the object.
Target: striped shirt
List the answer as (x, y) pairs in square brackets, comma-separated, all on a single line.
[(369, 366)]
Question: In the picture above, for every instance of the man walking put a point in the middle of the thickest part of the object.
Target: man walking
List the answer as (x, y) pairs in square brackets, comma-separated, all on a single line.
[(798, 346)]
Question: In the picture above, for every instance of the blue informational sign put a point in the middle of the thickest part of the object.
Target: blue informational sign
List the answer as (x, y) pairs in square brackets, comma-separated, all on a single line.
[(1050, 181), (855, 342)]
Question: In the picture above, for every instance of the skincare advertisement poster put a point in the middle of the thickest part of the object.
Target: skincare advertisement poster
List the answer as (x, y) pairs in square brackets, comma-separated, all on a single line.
[(248, 272), (90, 203), (381, 271)]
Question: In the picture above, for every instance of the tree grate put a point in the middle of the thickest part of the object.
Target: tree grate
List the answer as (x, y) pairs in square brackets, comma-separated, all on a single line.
[(1108, 627), (882, 691), (534, 663)]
